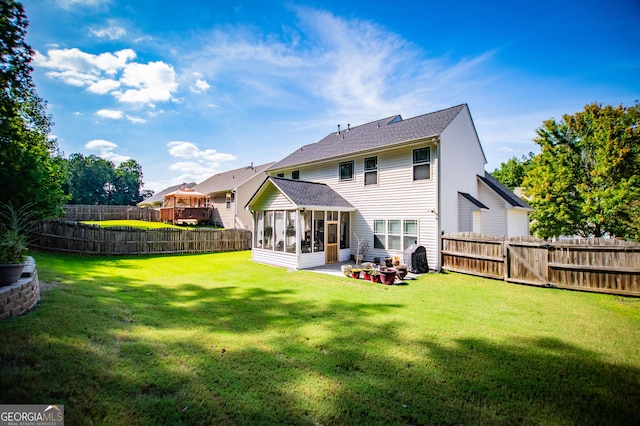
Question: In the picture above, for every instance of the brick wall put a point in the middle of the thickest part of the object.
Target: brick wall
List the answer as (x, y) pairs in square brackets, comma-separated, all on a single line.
[(21, 296)]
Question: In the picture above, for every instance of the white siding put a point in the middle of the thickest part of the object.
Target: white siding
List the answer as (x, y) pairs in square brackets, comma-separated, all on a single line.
[(517, 223), (461, 160), (465, 211), (396, 196), (272, 199), (494, 220), (244, 194), (278, 258)]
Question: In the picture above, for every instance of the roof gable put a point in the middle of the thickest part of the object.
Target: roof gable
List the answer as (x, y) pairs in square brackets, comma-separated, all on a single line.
[(382, 133), (504, 192), (304, 194)]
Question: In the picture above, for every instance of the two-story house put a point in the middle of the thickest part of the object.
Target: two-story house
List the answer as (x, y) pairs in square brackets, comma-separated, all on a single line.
[(390, 183)]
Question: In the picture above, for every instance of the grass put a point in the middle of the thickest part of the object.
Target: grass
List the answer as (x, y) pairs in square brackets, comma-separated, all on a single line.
[(216, 339), (140, 224)]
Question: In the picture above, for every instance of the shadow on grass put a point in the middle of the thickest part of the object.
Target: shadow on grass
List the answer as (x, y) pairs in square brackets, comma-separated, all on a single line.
[(123, 352)]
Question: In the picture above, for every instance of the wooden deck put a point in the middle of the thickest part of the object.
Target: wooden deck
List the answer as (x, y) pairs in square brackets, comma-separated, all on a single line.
[(191, 215)]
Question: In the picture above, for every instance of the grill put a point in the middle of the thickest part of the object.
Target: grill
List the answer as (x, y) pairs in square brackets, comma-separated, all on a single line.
[(415, 257)]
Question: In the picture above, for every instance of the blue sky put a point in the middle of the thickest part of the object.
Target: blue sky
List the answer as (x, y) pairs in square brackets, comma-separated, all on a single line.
[(192, 88)]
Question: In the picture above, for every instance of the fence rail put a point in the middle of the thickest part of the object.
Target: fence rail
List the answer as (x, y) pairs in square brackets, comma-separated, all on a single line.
[(101, 212), (72, 237), (597, 265)]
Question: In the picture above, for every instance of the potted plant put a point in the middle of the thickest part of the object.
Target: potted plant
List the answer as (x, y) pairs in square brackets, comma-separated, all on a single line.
[(346, 270), (366, 273), (355, 272), (14, 225), (388, 276), (402, 271), (375, 276)]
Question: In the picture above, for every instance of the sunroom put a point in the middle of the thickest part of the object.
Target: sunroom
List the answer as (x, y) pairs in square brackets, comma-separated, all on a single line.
[(299, 224)]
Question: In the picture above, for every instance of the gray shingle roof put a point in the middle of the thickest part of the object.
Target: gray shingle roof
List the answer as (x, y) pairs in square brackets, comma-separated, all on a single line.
[(503, 191), (377, 134), (309, 194), (227, 181), (473, 200)]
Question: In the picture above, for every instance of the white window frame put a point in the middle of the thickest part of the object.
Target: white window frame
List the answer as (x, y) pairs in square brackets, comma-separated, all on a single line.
[(370, 170), (383, 237), (421, 163)]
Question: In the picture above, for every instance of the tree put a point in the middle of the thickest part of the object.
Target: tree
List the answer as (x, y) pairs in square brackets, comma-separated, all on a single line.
[(128, 183), (512, 173), (94, 180), (89, 179), (586, 179), (30, 169)]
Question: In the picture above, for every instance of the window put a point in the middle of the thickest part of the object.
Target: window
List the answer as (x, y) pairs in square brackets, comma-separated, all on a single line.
[(344, 230), (259, 229), (290, 233), (422, 163), (268, 230), (346, 170), (410, 234), (371, 171), (318, 230), (278, 230), (394, 234), (228, 200), (378, 234), (295, 174), (280, 175)]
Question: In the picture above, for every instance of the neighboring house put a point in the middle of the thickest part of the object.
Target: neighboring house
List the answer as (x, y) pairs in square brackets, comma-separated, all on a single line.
[(228, 193), (390, 183), (157, 199)]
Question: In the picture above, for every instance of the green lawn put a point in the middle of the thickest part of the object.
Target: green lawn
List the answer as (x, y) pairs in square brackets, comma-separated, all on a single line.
[(141, 224), (216, 339)]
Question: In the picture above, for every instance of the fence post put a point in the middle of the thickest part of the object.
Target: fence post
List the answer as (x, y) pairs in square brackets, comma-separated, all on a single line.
[(505, 255)]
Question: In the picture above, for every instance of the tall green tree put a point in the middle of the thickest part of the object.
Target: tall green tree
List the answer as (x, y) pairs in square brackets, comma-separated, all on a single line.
[(89, 179), (128, 183), (30, 168), (586, 179), (94, 180), (512, 172)]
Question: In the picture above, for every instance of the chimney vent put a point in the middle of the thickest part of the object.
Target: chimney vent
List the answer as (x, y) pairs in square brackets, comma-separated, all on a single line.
[(348, 127), (338, 129)]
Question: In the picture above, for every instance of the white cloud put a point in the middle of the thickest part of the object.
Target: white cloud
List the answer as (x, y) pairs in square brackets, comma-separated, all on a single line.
[(152, 82), (181, 149), (105, 149), (118, 115), (109, 113), (198, 164), (111, 73), (70, 4), (112, 32), (200, 86)]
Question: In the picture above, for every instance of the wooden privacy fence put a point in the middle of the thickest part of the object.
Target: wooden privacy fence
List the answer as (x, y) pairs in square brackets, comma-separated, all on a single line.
[(596, 264), (74, 237), (100, 212)]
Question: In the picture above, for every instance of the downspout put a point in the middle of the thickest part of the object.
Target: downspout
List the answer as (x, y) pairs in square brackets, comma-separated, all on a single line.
[(439, 211), (235, 207)]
